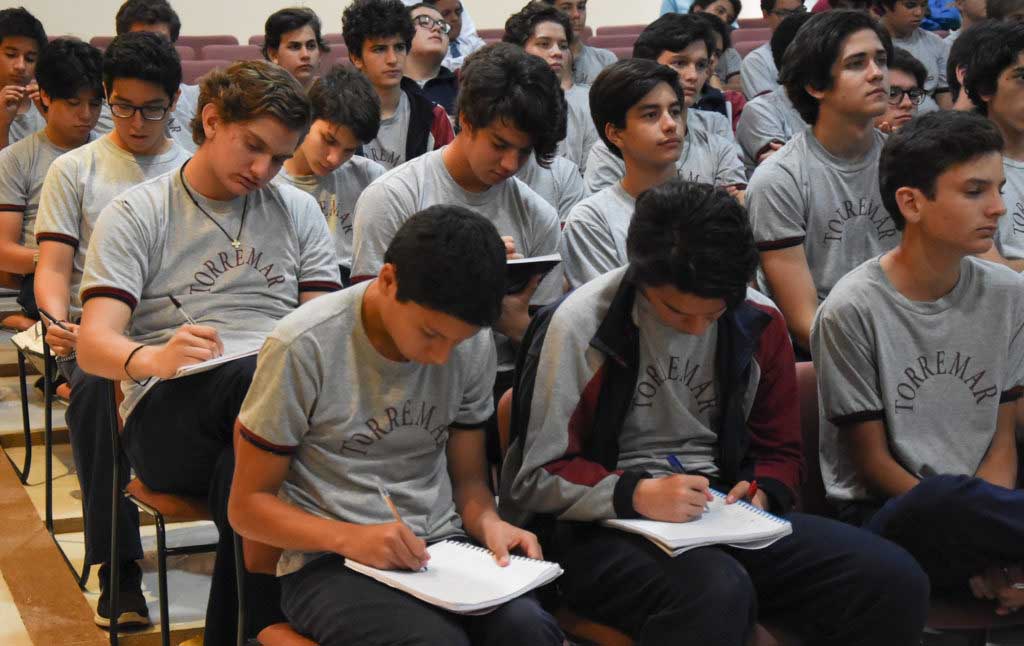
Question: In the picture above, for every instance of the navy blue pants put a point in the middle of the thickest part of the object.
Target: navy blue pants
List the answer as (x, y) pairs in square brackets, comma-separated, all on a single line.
[(956, 527), (828, 582), (178, 439), (336, 606), (89, 426)]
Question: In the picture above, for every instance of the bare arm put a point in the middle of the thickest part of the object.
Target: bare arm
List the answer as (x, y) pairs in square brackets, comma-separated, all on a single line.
[(53, 293), (793, 289), (1000, 464), (993, 255), (874, 462), (14, 258)]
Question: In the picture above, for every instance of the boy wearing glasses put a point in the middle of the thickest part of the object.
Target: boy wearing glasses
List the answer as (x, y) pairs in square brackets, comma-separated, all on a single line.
[(378, 35), (141, 75), (906, 91), (758, 73), (425, 64), (902, 19)]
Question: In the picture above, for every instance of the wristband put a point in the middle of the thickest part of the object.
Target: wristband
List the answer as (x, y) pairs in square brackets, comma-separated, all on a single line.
[(128, 360)]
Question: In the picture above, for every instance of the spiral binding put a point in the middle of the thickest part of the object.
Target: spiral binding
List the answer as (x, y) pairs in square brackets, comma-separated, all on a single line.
[(753, 508), (478, 548)]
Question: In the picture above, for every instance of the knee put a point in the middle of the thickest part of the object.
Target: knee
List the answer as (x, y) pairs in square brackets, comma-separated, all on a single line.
[(894, 586), (934, 496), (524, 621), (725, 589)]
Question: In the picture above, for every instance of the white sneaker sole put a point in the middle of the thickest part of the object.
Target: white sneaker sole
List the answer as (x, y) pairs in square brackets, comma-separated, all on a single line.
[(126, 619)]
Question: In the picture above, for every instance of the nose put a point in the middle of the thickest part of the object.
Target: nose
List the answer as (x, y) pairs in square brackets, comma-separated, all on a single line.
[(261, 168), (997, 208), (696, 326), (669, 122), (510, 161), (20, 63)]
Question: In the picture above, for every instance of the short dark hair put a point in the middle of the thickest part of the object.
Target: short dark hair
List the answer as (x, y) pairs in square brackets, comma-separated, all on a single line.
[(147, 12), (67, 66), (672, 32), (248, 90), (450, 260), (622, 85), (718, 26), (809, 58), (784, 35), (17, 21), (737, 6), (966, 44), (694, 237), (344, 97), (884, 5), (145, 56), (365, 19), (281, 22), (520, 25), (767, 6), (1001, 9), (905, 62), (1003, 45), (501, 82), (927, 146)]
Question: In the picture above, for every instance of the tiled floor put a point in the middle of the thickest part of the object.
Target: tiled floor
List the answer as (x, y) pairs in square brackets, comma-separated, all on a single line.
[(12, 629)]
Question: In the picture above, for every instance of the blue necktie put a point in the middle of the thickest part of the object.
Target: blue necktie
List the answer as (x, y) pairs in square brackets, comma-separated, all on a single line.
[(453, 49)]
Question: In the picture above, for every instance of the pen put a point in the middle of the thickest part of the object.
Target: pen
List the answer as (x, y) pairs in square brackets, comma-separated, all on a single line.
[(676, 465), (177, 305), (55, 320), (752, 491), (391, 505)]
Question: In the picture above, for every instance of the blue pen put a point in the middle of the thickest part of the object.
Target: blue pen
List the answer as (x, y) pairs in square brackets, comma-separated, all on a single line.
[(676, 465)]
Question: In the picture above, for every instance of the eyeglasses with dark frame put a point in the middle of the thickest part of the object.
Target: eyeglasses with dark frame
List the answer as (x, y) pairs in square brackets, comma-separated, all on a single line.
[(427, 23), (915, 94), (149, 112)]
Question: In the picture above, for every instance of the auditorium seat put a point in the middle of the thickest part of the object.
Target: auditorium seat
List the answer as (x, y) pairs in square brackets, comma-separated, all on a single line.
[(612, 41), (761, 34), (192, 70), (198, 42), (745, 23), (232, 53), (490, 34), (618, 30), (185, 52), (623, 52), (338, 54), (100, 42), (747, 46)]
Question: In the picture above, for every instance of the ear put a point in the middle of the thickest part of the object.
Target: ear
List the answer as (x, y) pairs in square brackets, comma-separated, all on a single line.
[(464, 126), (961, 74), (174, 101), (210, 120), (272, 55), (614, 134), (357, 62), (814, 92), (387, 278), (910, 202), (44, 100)]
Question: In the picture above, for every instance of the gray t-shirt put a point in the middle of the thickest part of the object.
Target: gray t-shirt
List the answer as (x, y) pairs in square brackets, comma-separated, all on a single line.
[(513, 208), (25, 125), (81, 183), (706, 157), (804, 195), (1010, 238), (934, 372), (758, 73), (179, 125), (23, 167), (348, 416), (594, 236), (767, 118), (153, 241), (580, 132), (729, 64), (561, 184), (589, 63), (388, 149), (336, 194), (929, 48), (675, 404)]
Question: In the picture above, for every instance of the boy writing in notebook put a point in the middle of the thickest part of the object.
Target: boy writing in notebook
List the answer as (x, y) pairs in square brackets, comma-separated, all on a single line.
[(346, 115), (141, 76), (920, 358), (238, 253), (415, 363), (672, 362)]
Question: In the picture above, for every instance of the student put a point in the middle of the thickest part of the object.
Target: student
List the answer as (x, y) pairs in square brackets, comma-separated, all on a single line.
[(769, 121), (346, 115), (902, 19), (712, 94), (378, 34), (919, 357), (546, 32), (672, 355), (960, 54), (906, 91), (157, 16), (587, 61), (814, 205), (401, 341), (758, 73), (510, 107), (639, 110), (462, 39), (428, 50), (1008, 10), (972, 12), (291, 39), (141, 76), (239, 254), (726, 72), (682, 42), (22, 38), (992, 84), (71, 93)]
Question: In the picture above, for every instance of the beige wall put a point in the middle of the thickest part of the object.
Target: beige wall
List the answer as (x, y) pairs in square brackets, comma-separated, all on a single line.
[(87, 18)]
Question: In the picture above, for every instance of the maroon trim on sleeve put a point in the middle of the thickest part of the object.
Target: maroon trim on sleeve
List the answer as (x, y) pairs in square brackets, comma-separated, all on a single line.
[(441, 129), (57, 237), (110, 292), (785, 243), (362, 278), (19, 208), (319, 286), (1011, 395), (262, 444), (858, 417)]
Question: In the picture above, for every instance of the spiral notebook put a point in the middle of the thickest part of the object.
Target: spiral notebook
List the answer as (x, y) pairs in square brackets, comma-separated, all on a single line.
[(739, 525), (465, 579)]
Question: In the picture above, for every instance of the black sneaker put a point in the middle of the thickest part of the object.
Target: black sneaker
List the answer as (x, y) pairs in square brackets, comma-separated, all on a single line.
[(132, 604)]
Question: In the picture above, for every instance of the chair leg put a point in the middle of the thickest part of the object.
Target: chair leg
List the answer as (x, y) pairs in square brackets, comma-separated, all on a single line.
[(240, 584), (115, 504), (161, 564), (48, 369), (26, 422)]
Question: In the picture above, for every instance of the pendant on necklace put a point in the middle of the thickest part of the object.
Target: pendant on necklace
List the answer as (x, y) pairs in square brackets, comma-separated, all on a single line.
[(236, 244)]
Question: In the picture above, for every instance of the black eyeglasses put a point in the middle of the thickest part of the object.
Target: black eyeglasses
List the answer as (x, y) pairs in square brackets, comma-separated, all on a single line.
[(786, 13), (427, 22), (896, 93), (149, 112)]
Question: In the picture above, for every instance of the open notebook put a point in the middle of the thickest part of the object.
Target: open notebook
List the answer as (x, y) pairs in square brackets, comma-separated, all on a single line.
[(738, 525), (465, 579), (203, 366)]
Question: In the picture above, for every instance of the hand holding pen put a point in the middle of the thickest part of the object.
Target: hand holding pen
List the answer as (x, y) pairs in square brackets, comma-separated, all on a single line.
[(61, 336), (407, 549)]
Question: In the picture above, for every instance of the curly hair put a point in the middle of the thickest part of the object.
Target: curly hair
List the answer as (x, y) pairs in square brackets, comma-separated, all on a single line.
[(375, 19), (281, 22), (520, 25)]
